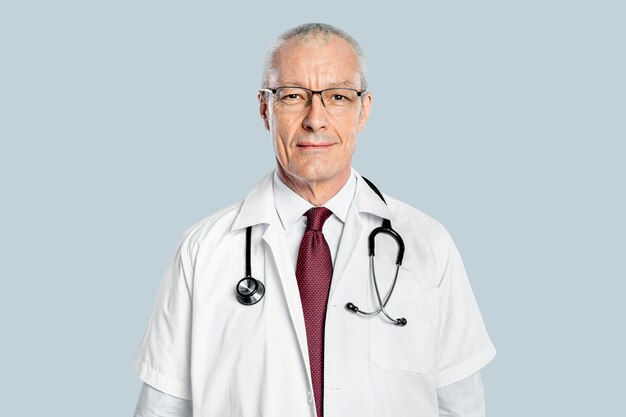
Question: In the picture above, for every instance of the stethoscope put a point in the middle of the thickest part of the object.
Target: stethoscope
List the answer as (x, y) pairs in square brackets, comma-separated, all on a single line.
[(250, 290)]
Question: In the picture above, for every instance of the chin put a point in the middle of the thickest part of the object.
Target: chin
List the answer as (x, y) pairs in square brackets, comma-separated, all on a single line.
[(314, 172)]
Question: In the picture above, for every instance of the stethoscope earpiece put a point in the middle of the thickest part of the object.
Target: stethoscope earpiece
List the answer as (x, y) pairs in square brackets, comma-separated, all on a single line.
[(398, 322), (352, 308), (401, 322)]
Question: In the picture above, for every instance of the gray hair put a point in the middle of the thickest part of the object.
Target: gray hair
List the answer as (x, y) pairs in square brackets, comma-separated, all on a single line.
[(312, 31)]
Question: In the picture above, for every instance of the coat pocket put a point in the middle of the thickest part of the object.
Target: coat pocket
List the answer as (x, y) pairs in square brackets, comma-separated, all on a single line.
[(409, 348)]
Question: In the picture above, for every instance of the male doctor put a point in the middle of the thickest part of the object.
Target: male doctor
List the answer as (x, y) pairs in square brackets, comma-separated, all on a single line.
[(286, 344)]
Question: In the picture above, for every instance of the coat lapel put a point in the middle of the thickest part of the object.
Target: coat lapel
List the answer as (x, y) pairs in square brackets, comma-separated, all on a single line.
[(351, 248), (258, 208), (278, 248), (353, 243)]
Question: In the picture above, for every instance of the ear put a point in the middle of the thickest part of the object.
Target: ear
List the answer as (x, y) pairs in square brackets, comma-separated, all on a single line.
[(365, 110), (263, 109)]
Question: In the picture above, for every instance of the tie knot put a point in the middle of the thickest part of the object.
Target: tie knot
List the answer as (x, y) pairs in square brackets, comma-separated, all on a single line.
[(315, 218)]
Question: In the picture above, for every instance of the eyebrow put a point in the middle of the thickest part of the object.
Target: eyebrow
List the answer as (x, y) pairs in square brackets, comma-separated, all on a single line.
[(341, 84), (336, 84)]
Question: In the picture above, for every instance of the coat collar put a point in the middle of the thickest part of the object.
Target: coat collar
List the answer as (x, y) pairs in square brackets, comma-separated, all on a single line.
[(258, 207), (367, 201)]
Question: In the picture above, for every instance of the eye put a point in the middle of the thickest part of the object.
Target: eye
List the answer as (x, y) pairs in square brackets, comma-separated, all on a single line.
[(291, 95), (341, 96)]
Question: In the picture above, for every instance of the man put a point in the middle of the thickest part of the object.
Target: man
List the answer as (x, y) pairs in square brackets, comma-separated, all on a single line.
[(281, 342)]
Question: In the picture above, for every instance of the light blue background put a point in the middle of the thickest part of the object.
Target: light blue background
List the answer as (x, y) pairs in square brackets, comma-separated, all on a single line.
[(124, 122)]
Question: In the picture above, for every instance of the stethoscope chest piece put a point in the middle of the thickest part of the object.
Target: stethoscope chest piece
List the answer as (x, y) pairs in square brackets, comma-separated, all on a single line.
[(249, 291)]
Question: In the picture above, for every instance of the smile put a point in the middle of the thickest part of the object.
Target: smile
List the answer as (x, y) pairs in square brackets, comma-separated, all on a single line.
[(314, 146)]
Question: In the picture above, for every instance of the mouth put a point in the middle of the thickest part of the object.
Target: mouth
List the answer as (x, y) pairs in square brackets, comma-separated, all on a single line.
[(314, 146)]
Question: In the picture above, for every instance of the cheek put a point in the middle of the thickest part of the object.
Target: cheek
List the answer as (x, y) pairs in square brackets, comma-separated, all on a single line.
[(282, 131), (349, 133)]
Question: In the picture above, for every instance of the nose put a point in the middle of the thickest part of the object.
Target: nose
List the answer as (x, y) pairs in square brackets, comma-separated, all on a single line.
[(316, 117)]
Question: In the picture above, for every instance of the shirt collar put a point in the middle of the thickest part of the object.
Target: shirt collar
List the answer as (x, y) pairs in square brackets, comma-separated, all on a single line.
[(259, 207), (290, 206)]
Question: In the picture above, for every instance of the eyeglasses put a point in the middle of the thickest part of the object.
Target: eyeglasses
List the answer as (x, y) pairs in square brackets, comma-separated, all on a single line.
[(296, 99)]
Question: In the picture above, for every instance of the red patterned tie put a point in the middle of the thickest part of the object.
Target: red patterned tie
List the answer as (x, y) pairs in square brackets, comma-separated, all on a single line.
[(314, 271)]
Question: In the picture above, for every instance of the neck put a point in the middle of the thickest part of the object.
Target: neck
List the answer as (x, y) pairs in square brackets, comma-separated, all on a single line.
[(315, 192)]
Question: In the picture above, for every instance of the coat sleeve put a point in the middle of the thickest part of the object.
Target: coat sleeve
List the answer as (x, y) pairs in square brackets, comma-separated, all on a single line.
[(163, 358), (154, 403), (464, 398), (464, 345)]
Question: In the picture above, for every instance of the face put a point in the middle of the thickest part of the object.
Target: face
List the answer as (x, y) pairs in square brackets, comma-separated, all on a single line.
[(313, 146)]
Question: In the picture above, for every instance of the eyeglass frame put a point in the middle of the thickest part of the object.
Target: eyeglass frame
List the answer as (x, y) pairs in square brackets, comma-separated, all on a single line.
[(313, 92)]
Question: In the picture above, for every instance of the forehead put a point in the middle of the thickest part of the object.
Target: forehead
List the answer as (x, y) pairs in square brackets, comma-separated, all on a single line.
[(317, 63)]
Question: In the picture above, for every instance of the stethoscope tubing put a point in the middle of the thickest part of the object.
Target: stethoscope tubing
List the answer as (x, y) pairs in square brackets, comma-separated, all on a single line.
[(350, 306), (387, 296)]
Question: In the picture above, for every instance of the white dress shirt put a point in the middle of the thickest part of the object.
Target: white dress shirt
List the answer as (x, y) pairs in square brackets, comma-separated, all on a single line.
[(464, 398)]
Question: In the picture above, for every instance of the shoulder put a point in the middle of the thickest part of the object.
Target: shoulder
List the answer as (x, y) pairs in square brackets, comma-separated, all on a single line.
[(428, 243), (415, 221), (210, 229), (227, 223)]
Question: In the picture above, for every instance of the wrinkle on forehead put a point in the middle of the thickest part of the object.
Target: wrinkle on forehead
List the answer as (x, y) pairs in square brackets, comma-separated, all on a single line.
[(330, 58), (336, 84), (308, 41)]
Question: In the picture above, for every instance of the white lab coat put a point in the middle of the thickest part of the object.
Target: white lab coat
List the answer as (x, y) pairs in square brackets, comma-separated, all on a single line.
[(236, 360)]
